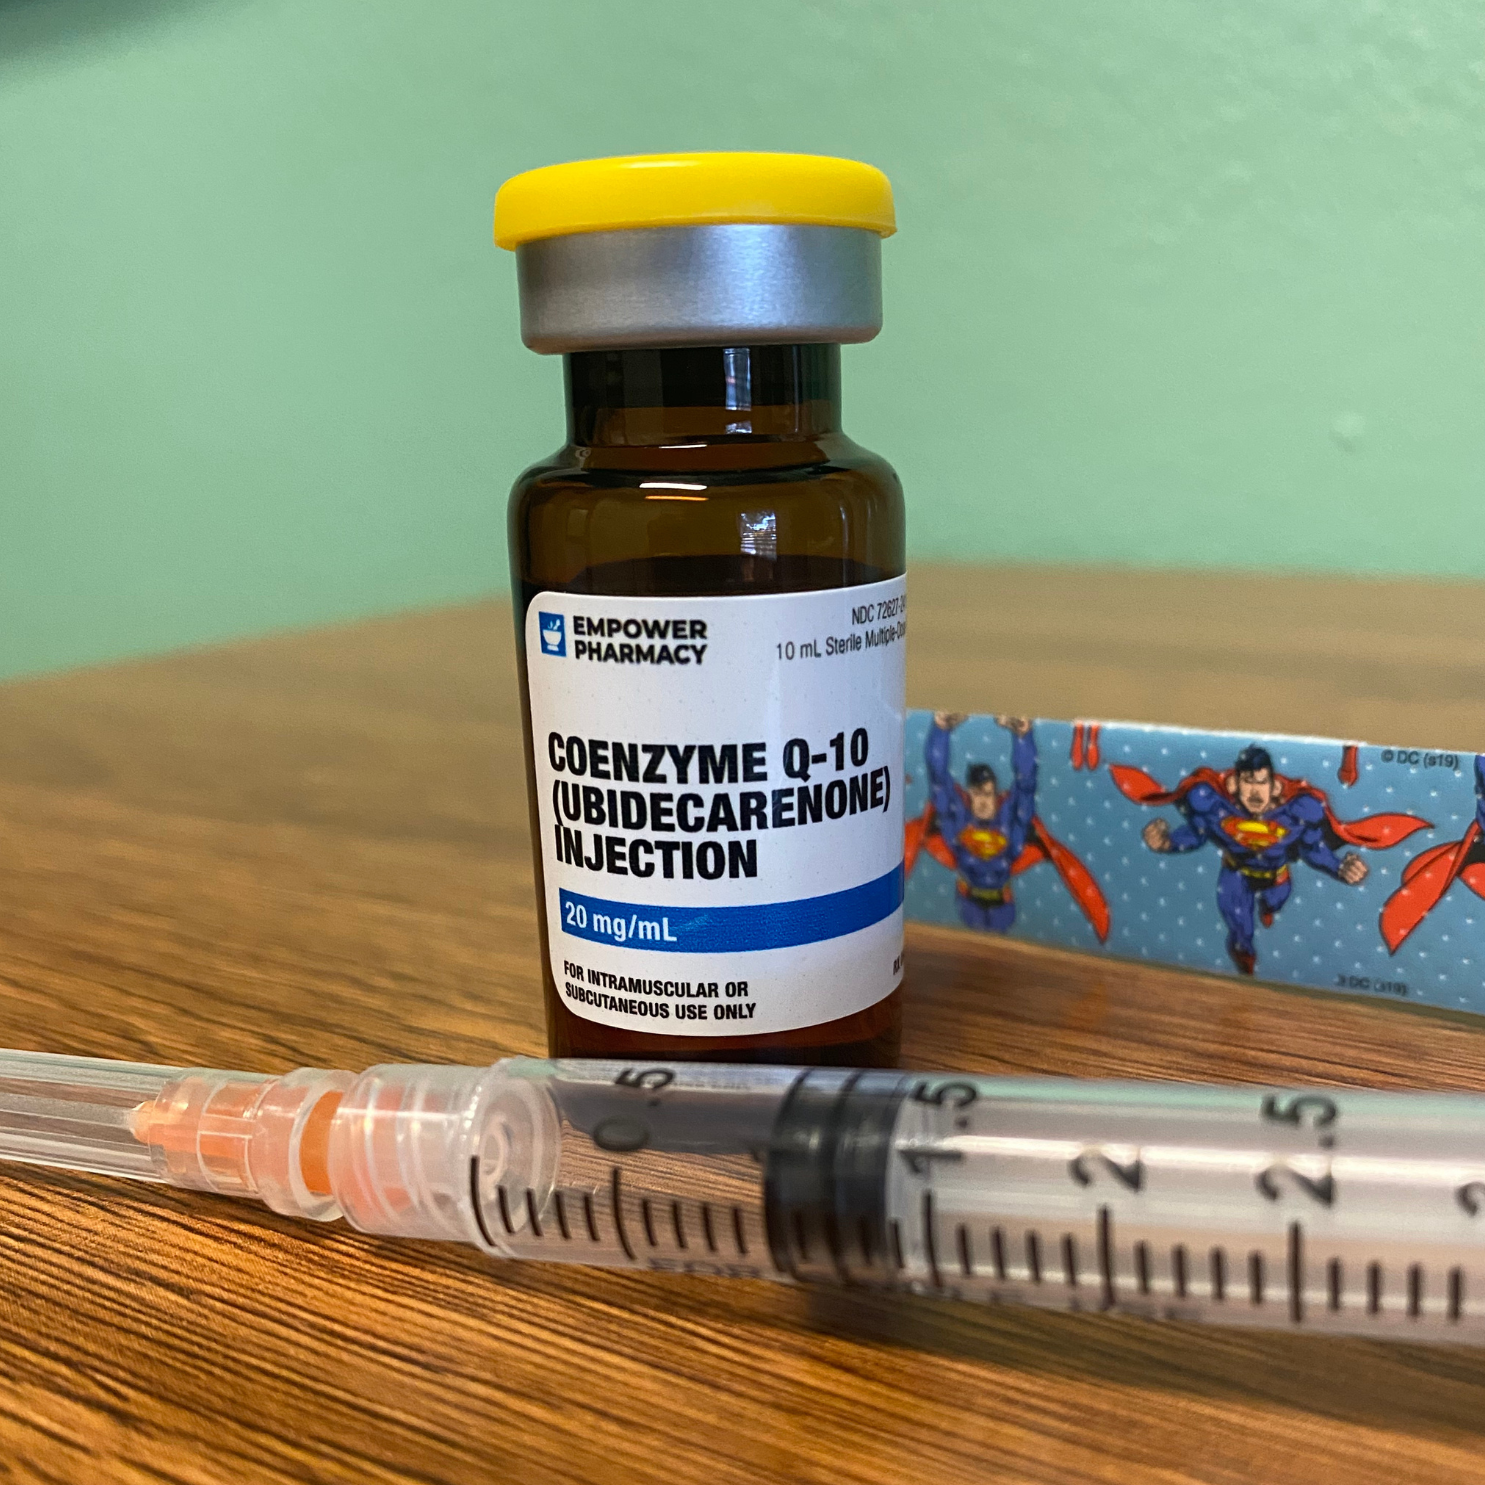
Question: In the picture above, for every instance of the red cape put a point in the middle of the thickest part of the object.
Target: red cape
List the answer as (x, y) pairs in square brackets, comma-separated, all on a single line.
[(1376, 831), (923, 834), (1425, 879)]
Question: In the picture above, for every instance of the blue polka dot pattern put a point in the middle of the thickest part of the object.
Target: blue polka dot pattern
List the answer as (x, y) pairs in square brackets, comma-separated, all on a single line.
[(1164, 907)]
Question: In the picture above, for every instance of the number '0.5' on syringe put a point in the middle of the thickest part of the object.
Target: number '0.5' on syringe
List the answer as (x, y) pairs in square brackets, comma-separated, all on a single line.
[(1330, 1210)]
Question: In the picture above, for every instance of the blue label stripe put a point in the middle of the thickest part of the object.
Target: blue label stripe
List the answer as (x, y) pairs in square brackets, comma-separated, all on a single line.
[(732, 930)]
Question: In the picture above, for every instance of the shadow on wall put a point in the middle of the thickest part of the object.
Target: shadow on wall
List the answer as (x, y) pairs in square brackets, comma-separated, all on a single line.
[(39, 25)]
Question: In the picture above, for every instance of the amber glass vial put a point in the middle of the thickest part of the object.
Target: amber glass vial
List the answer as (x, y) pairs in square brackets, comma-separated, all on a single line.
[(710, 613)]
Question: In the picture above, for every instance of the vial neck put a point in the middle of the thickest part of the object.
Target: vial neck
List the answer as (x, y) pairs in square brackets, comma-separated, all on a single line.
[(660, 397)]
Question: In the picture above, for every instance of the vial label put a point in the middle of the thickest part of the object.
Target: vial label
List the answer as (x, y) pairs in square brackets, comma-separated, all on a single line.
[(719, 785)]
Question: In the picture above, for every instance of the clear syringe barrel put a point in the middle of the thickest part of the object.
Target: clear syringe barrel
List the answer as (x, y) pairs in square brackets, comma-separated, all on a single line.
[(615, 1164), (1331, 1209)]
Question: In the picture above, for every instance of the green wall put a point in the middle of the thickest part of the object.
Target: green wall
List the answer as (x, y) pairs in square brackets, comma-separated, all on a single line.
[(1177, 283)]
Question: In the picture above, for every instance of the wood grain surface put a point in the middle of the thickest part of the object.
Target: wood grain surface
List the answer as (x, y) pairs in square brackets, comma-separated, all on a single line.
[(312, 849)]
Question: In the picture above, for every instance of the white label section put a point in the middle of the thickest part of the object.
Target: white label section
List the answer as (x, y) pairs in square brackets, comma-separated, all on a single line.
[(720, 795)]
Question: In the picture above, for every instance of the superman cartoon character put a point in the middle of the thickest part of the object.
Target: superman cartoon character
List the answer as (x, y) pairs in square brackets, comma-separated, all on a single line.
[(1261, 822), (1430, 874), (987, 834)]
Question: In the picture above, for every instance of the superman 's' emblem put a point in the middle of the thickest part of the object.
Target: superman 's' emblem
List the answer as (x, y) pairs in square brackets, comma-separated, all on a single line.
[(1255, 835), (980, 841)]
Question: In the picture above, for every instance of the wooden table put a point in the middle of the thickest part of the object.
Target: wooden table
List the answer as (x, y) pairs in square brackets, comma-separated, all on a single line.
[(313, 849)]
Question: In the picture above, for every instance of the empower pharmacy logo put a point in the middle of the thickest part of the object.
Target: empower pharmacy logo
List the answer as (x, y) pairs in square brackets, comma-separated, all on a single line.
[(553, 633)]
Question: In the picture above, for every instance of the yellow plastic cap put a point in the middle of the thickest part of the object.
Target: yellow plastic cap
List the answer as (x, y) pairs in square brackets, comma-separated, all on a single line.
[(692, 190)]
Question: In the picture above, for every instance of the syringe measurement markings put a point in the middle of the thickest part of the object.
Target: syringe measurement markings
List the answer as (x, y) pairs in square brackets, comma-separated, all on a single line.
[(616, 1200), (1106, 1255), (1178, 1269), (1296, 1273), (476, 1203), (1040, 1266), (1142, 1265), (1177, 1160), (1034, 1256), (930, 1241)]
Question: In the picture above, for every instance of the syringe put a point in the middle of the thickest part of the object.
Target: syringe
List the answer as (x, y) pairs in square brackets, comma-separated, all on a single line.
[(1332, 1209)]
